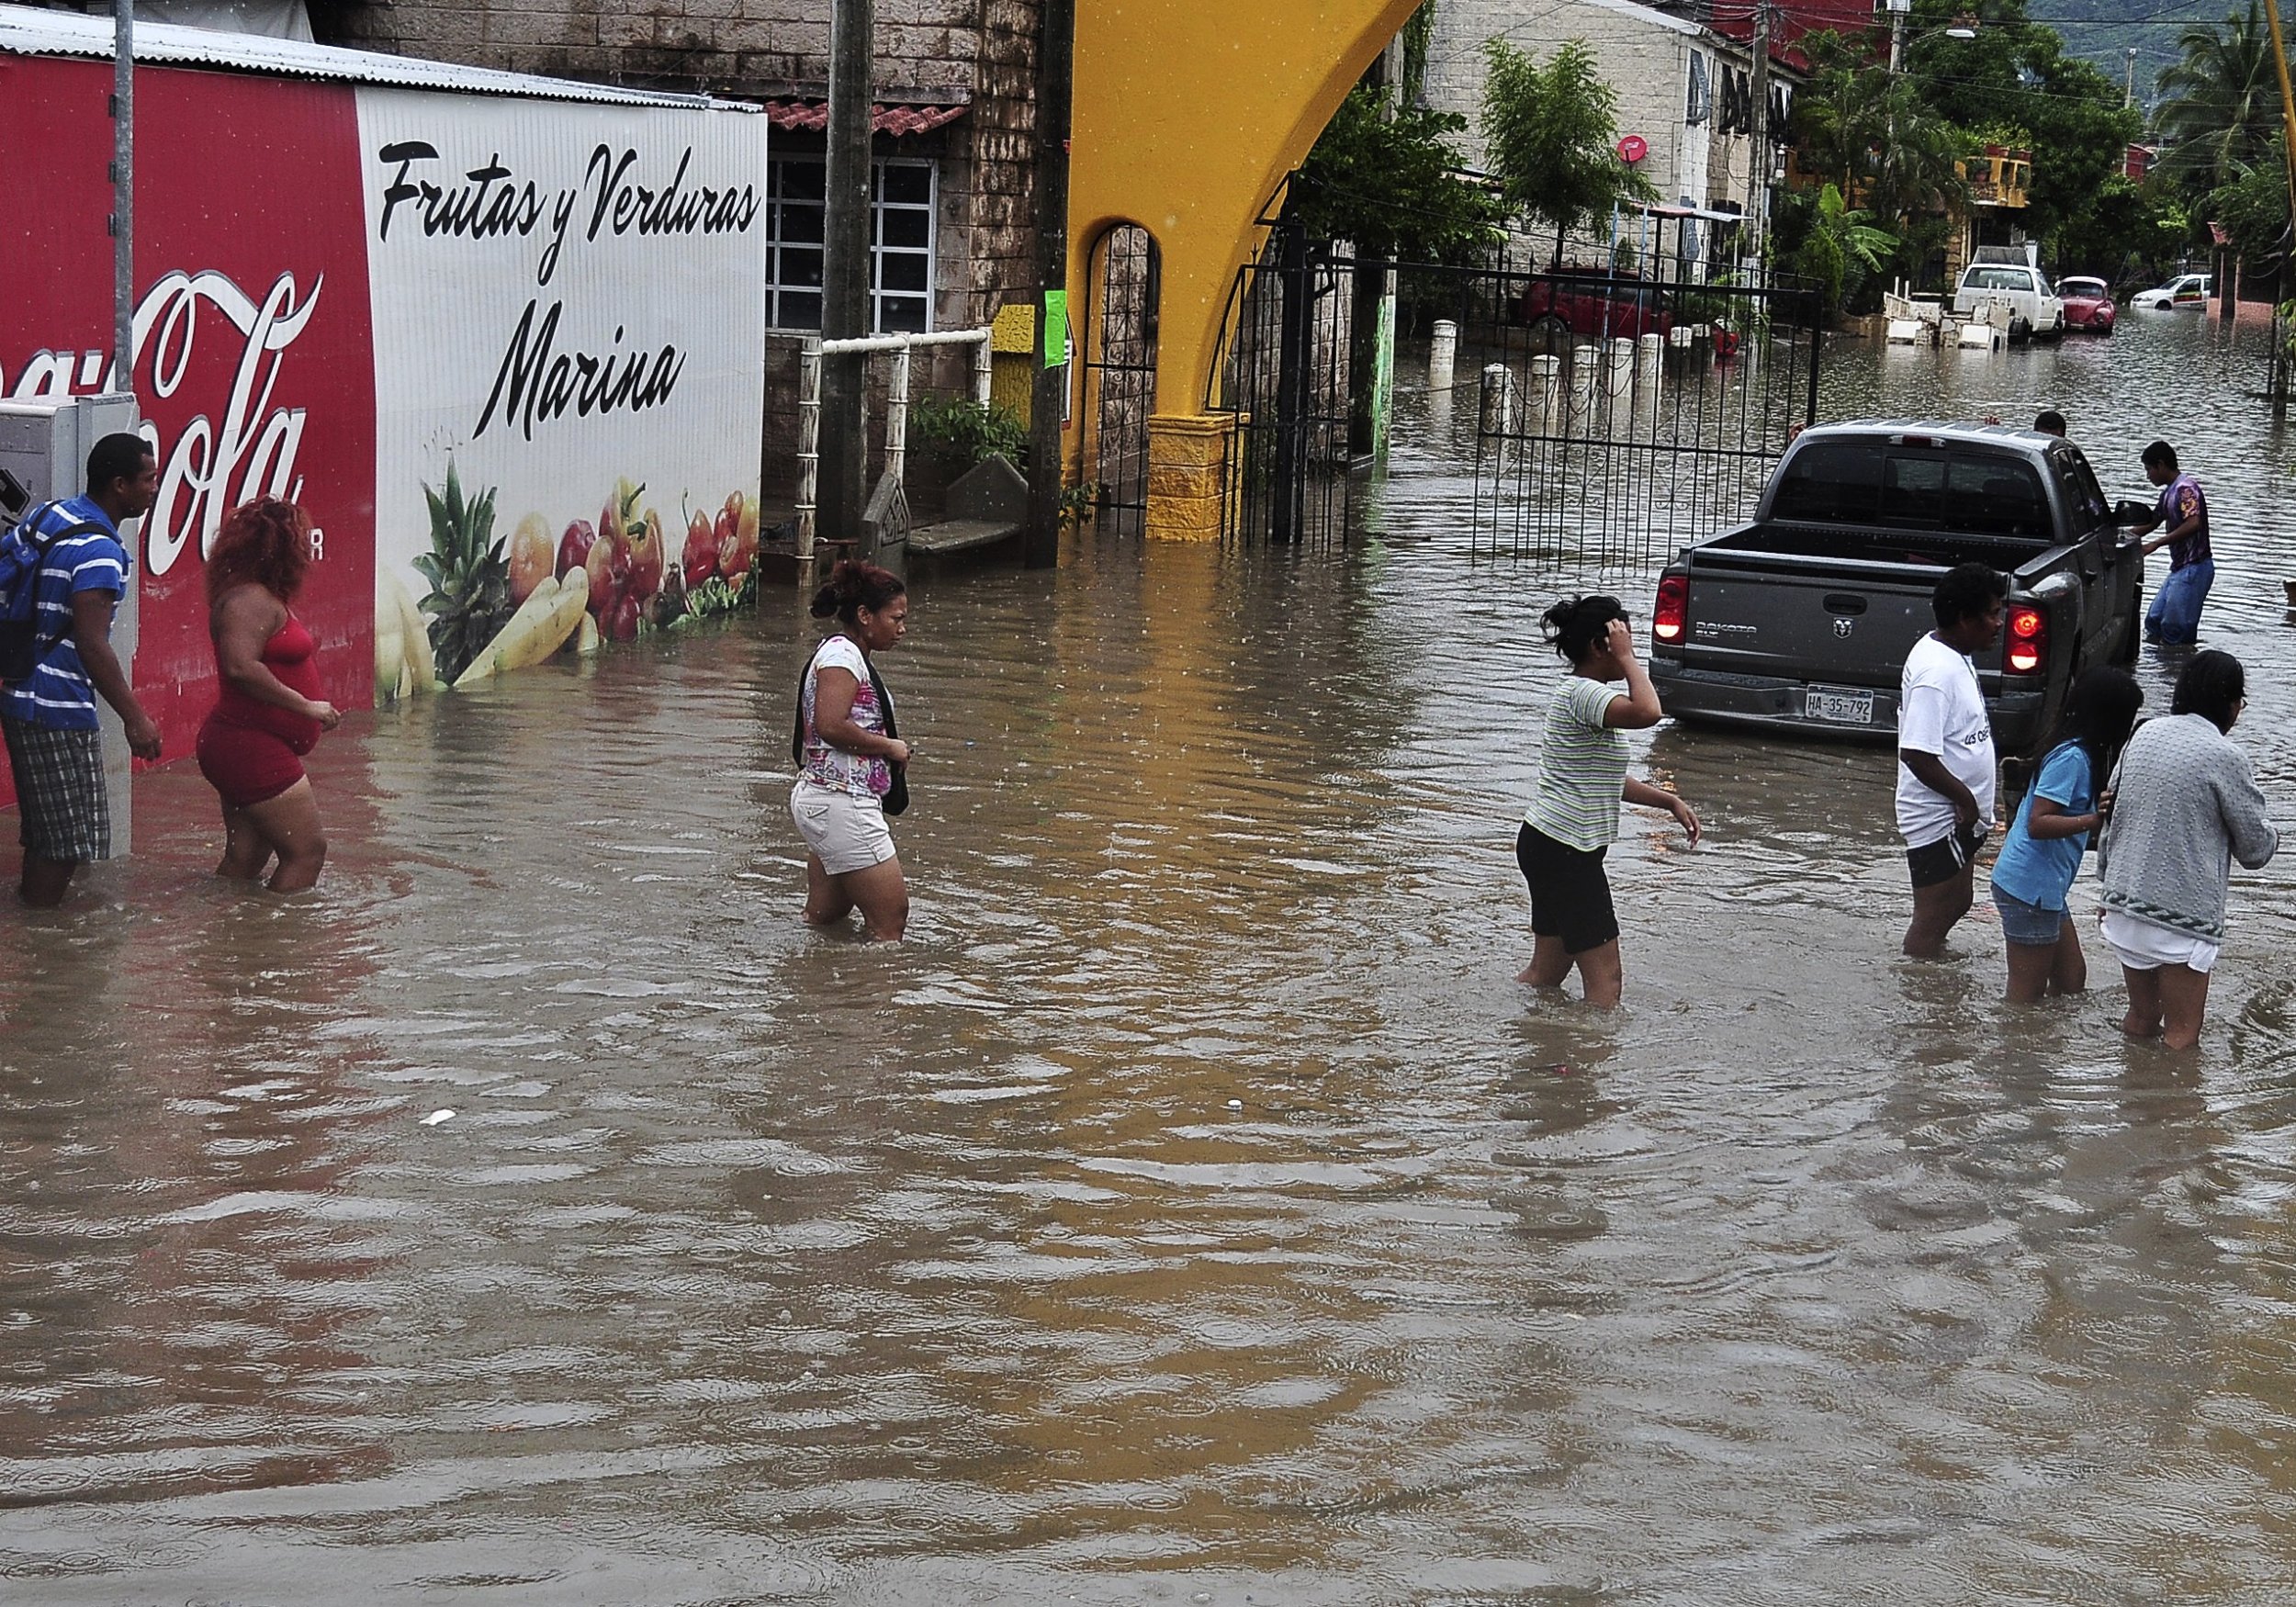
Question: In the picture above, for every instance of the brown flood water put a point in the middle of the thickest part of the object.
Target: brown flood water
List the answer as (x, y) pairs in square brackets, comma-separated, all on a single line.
[(1194, 1210)]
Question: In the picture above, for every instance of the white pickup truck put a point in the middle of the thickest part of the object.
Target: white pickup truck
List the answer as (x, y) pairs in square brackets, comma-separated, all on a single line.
[(2022, 288)]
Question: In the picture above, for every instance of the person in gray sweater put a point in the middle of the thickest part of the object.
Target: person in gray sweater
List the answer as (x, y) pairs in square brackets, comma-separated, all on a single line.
[(2183, 804)]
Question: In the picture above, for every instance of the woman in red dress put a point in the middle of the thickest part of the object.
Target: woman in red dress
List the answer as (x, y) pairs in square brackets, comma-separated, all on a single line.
[(268, 712)]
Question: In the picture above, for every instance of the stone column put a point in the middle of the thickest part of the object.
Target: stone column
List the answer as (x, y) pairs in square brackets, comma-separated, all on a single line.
[(1187, 475)]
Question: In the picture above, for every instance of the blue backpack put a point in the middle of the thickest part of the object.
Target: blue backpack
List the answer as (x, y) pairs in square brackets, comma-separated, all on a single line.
[(23, 552)]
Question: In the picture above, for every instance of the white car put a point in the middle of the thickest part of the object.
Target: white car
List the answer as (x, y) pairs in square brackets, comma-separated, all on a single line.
[(2187, 291), (2023, 290)]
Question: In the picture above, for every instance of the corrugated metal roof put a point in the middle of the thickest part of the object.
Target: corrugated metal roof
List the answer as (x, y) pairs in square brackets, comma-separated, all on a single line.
[(894, 119), (29, 31)]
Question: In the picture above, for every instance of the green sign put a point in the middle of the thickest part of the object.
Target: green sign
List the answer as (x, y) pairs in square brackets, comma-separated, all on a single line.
[(1055, 328)]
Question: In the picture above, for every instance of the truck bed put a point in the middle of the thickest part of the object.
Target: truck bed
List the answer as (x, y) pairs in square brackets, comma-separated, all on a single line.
[(1803, 618)]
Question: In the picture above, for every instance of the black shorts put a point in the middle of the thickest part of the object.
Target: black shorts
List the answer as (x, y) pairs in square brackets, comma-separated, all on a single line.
[(1570, 893), (1946, 858)]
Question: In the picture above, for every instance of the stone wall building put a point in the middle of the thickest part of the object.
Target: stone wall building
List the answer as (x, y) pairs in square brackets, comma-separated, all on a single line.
[(953, 222)]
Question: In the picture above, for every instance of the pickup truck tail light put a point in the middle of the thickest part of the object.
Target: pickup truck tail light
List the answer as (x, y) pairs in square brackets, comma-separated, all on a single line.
[(1672, 613), (2028, 638)]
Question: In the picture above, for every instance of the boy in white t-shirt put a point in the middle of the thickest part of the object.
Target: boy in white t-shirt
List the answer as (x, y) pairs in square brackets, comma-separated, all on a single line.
[(1945, 761)]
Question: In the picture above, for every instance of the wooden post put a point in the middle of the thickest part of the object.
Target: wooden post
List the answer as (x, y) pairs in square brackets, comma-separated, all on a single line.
[(1055, 76), (844, 437)]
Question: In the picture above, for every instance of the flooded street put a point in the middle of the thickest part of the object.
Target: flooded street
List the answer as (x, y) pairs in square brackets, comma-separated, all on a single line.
[(1195, 1209)]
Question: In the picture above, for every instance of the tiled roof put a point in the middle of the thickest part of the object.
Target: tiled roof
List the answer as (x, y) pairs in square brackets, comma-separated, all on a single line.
[(895, 120)]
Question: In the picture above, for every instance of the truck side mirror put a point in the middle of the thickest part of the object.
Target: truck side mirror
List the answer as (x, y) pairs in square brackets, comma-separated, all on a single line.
[(2127, 512)]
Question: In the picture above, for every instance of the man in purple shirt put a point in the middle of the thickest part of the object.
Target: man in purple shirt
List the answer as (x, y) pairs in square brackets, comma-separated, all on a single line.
[(2174, 620), (49, 717)]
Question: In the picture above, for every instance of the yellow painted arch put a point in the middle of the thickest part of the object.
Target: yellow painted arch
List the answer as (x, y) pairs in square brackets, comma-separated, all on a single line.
[(1188, 114)]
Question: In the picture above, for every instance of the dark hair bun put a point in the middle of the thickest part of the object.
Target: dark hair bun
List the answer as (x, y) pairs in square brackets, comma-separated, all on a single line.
[(1577, 625), (852, 585)]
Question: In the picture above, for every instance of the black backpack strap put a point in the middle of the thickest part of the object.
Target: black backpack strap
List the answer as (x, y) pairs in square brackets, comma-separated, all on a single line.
[(27, 531), (797, 731), (797, 726), (885, 700)]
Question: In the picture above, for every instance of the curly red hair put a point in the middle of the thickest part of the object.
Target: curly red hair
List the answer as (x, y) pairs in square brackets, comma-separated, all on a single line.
[(266, 543)]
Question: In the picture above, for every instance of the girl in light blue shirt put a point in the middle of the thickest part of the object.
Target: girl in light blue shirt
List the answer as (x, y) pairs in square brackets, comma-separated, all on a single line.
[(2063, 809)]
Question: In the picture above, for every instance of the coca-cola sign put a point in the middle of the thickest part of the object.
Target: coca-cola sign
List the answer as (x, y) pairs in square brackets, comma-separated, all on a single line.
[(359, 297), (254, 352)]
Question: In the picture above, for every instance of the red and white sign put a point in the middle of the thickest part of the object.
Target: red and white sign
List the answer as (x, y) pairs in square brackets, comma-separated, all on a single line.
[(254, 348), (342, 288)]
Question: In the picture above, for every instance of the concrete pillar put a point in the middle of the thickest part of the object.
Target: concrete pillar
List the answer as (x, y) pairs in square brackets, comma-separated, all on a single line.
[(1498, 400), (1545, 397), (1442, 352), (1618, 370), (1650, 351), (1187, 475)]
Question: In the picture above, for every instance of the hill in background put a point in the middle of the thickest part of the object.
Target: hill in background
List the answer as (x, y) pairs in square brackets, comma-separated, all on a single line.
[(2105, 31)]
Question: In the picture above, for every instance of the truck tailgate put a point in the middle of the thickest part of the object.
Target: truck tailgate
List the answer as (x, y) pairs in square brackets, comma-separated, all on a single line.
[(1834, 621)]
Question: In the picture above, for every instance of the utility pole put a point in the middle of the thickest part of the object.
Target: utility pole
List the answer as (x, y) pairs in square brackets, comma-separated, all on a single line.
[(2288, 150), (2128, 82), (123, 220), (1898, 10), (844, 492), (1055, 62), (1758, 175)]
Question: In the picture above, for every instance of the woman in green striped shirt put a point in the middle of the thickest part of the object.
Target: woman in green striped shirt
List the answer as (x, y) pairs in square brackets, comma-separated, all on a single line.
[(1581, 778)]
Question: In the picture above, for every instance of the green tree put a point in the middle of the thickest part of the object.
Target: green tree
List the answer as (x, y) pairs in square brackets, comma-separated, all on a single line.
[(1392, 186), (2253, 209), (1842, 250), (2220, 104), (2120, 237), (1840, 117), (2013, 83), (1550, 131), (1885, 148)]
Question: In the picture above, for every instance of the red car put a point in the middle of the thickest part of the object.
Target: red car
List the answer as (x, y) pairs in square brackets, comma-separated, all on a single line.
[(1593, 305), (2087, 304)]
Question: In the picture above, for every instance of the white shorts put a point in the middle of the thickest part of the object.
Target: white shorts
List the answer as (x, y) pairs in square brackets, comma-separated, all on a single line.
[(845, 832), (2143, 945)]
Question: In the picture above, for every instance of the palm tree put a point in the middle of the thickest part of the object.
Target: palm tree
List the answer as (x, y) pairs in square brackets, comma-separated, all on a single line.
[(1875, 136), (2220, 106)]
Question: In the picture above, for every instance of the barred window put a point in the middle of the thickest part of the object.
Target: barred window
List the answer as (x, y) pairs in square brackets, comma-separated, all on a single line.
[(901, 237)]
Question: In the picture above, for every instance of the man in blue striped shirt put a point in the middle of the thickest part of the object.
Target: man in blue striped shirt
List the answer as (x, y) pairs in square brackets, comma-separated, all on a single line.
[(54, 749)]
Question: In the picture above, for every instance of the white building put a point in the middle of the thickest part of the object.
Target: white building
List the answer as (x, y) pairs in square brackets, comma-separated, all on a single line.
[(1683, 89)]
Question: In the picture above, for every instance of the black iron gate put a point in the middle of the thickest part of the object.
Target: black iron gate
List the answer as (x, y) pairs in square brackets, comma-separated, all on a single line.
[(1618, 417), (1119, 329), (1283, 378)]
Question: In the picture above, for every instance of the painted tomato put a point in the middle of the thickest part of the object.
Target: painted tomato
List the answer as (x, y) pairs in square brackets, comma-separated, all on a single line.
[(702, 543), (609, 566), (574, 546)]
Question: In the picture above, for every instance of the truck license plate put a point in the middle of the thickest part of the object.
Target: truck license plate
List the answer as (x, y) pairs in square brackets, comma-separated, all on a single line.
[(1843, 708)]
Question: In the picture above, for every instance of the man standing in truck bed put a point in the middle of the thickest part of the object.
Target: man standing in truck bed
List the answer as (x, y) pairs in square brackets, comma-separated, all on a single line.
[(1945, 762), (2174, 620)]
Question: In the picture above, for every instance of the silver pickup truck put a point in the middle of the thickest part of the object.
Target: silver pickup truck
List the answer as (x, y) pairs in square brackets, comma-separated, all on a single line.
[(1802, 619)]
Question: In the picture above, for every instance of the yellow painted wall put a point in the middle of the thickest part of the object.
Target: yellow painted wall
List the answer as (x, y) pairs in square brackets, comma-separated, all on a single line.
[(1187, 114)]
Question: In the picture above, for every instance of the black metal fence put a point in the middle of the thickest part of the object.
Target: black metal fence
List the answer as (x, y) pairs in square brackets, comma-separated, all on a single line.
[(1617, 417), (1617, 414)]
